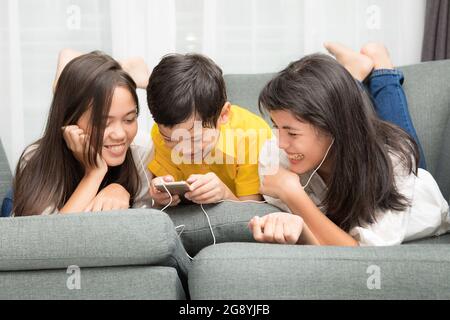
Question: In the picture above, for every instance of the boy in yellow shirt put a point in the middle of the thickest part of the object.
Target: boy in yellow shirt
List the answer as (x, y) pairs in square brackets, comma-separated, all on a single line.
[(199, 137)]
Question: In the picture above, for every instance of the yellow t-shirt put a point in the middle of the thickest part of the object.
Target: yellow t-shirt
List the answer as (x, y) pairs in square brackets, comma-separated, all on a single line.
[(234, 159)]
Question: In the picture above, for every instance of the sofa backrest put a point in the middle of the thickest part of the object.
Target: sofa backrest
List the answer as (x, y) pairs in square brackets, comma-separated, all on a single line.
[(427, 87), (443, 165), (5, 173)]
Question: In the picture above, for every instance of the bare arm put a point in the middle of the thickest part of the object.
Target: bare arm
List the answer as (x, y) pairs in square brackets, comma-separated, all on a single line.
[(253, 197), (307, 237), (87, 189), (85, 192), (321, 227)]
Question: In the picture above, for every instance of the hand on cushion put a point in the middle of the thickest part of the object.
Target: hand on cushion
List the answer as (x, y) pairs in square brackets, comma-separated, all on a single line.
[(278, 227)]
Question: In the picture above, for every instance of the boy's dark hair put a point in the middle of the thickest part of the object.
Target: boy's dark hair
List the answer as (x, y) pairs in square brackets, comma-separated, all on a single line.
[(183, 85)]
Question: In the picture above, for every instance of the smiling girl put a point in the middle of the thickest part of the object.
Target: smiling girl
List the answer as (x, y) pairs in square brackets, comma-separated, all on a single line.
[(348, 177), (85, 160)]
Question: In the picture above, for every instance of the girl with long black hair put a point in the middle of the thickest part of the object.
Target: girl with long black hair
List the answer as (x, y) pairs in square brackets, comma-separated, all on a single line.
[(85, 160), (348, 177)]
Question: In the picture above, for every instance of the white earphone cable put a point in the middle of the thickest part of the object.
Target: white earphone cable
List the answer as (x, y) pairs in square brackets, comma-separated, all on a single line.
[(321, 163)]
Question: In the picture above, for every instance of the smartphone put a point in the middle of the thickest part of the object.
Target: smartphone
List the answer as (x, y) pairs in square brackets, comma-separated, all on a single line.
[(175, 188)]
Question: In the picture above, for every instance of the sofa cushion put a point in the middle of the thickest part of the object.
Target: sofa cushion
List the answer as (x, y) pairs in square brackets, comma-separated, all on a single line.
[(244, 89), (443, 239), (443, 165), (5, 174), (135, 282), (427, 89), (229, 222), (134, 237), (242, 271)]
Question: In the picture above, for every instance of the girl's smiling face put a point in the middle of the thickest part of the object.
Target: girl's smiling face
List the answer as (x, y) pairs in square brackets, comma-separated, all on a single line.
[(305, 145), (121, 127)]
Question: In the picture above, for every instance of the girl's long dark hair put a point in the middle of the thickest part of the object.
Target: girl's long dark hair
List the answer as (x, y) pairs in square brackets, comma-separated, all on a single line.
[(49, 177), (317, 89)]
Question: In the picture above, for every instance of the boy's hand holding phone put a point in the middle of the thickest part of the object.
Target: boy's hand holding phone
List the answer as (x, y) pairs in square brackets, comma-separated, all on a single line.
[(207, 188), (162, 198)]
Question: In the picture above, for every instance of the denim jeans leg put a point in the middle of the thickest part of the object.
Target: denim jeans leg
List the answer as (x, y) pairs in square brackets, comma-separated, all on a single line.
[(385, 87), (7, 205)]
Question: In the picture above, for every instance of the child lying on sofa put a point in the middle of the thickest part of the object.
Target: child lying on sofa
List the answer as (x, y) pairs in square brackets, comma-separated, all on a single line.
[(199, 136), (85, 160), (346, 177)]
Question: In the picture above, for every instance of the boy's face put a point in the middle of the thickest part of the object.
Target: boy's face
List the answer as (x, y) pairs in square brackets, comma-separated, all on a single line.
[(191, 138)]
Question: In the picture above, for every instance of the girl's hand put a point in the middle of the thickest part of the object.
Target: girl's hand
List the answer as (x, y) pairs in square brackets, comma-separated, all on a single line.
[(76, 140), (207, 188), (162, 198), (278, 227), (280, 184), (112, 197)]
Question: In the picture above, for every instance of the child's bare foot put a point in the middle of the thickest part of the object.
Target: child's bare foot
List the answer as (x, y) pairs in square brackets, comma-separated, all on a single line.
[(359, 65), (138, 70), (379, 55)]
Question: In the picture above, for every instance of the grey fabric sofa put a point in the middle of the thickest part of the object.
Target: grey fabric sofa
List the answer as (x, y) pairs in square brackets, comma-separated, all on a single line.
[(137, 254)]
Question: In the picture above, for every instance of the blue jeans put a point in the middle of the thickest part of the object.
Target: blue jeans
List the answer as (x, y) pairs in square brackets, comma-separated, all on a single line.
[(7, 205), (385, 87)]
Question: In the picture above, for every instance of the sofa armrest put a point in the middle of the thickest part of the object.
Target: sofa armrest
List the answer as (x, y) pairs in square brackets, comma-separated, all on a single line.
[(5, 173), (121, 238), (264, 271)]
